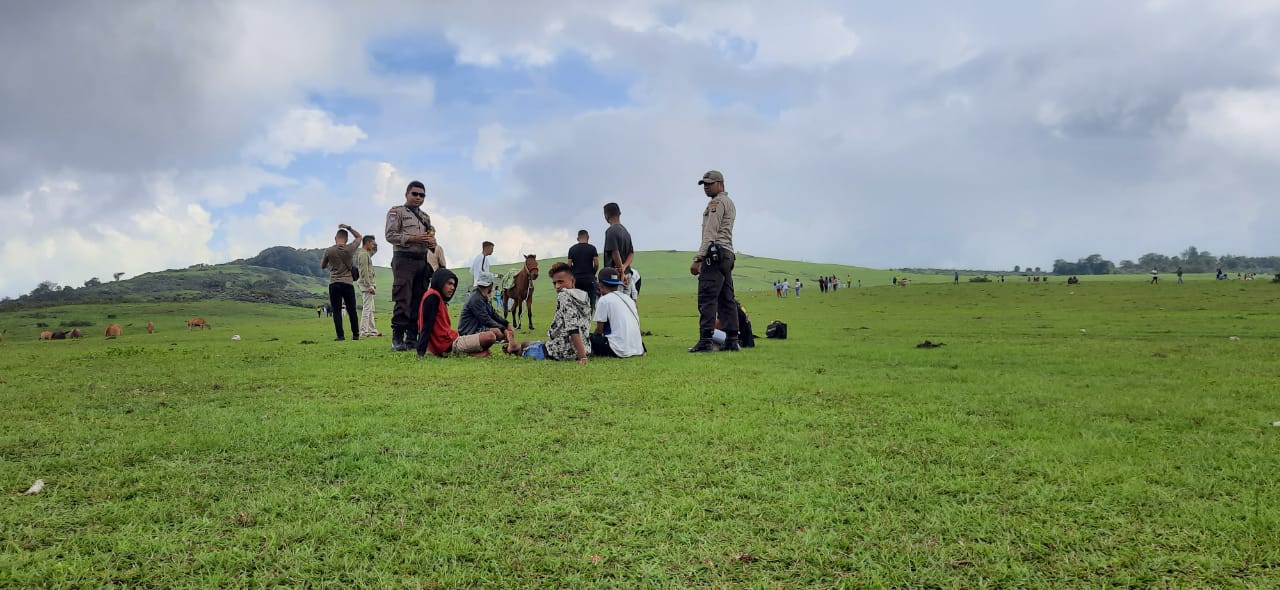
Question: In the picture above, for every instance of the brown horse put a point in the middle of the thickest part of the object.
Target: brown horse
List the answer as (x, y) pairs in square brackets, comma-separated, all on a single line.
[(521, 292)]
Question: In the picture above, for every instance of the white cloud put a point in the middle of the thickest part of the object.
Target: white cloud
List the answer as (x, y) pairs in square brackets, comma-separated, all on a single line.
[(462, 234), (492, 144), (303, 130), (220, 187), (1246, 122), (275, 224), (173, 232)]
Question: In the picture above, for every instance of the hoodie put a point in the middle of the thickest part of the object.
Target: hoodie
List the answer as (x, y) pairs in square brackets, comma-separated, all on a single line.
[(434, 329)]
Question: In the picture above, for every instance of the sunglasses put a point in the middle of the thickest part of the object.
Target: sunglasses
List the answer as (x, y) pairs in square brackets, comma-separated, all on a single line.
[(418, 194)]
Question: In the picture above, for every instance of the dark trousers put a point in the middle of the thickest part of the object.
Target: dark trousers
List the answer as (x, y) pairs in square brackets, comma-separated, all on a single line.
[(715, 297), (344, 295), (600, 347), (408, 285), (587, 284)]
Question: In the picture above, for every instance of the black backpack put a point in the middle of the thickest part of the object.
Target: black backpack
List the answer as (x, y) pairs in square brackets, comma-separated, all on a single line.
[(777, 330)]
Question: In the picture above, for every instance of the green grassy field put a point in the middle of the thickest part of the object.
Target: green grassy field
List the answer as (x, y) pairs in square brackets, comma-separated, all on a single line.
[(1110, 434)]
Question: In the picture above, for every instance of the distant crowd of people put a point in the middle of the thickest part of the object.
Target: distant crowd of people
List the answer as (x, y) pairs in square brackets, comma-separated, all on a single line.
[(423, 286)]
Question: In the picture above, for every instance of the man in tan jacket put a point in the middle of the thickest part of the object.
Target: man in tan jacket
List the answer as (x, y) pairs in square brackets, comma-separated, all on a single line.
[(713, 266)]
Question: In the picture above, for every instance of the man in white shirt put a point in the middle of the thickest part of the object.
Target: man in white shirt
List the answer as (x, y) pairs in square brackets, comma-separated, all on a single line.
[(481, 263), (617, 332)]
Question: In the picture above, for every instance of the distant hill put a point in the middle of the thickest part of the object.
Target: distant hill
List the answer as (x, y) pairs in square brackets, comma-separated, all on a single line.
[(238, 281), (667, 271), (292, 276), (303, 261)]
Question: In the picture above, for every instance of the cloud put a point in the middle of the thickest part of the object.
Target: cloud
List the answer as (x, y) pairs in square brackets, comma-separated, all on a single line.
[(876, 134), (275, 224), (1245, 122), (462, 234), (303, 130), (492, 144), (174, 232)]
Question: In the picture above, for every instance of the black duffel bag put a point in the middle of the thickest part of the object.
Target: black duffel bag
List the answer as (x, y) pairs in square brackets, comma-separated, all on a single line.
[(777, 330)]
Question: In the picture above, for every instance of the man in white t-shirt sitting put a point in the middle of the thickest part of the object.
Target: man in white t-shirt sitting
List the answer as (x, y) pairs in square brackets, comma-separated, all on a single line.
[(617, 332)]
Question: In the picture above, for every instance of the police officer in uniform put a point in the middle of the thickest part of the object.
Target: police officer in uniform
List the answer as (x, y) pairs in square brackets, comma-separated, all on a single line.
[(407, 230), (714, 267)]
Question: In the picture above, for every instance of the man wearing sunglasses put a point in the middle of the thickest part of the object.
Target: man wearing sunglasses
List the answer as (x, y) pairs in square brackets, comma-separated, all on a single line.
[(408, 231)]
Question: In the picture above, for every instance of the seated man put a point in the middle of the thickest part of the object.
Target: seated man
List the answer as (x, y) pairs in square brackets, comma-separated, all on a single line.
[(436, 333), (617, 332), (567, 336), (478, 316)]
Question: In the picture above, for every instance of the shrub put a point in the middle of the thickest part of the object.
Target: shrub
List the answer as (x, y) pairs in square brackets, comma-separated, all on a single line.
[(41, 325), (76, 323), (981, 279)]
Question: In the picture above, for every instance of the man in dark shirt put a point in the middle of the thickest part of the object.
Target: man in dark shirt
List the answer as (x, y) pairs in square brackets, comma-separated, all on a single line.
[(342, 291), (585, 262), (478, 316), (618, 251)]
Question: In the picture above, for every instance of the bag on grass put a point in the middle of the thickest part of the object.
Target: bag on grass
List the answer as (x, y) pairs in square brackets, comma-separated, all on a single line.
[(777, 330)]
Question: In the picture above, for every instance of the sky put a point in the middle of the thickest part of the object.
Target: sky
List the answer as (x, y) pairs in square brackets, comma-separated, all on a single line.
[(142, 136)]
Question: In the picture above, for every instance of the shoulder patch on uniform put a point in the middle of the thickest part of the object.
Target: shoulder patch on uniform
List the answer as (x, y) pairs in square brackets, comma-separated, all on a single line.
[(712, 206), (391, 216)]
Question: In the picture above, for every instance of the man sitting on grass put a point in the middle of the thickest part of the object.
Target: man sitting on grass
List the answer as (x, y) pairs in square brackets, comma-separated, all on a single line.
[(478, 317), (567, 336), (617, 331), (436, 333)]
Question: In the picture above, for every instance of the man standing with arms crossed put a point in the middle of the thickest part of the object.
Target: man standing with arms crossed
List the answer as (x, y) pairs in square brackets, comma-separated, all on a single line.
[(714, 267), (407, 231), (368, 288), (618, 250)]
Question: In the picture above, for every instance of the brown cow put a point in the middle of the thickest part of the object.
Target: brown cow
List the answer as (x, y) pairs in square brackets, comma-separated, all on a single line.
[(46, 335), (197, 323), (75, 333), (151, 328), (62, 335), (114, 330)]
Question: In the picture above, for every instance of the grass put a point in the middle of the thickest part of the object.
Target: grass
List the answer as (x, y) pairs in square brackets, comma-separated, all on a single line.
[(1109, 434)]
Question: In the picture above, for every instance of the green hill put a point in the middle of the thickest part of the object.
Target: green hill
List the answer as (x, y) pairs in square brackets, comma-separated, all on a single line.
[(667, 271), (232, 281), (292, 276)]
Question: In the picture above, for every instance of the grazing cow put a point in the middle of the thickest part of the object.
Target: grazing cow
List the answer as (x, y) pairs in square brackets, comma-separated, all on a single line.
[(60, 335), (151, 328), (114, 330), (75, 333), (46, 335), (197, 323)]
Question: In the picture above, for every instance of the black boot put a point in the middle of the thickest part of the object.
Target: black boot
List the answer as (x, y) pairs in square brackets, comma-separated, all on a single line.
[(704, 343), (410, 339), (730, 344), (397, 340)]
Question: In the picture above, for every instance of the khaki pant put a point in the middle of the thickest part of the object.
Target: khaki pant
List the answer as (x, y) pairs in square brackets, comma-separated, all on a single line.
[(366, 314)]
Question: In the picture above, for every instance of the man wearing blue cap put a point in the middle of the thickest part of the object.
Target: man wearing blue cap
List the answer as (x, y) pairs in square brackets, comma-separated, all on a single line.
[(617, 332)]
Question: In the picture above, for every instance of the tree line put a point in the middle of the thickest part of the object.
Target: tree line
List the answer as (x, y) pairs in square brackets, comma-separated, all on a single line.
[(1191, 260)]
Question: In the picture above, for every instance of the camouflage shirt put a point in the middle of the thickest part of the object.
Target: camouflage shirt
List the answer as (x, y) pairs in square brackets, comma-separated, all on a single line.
[(573, 315)]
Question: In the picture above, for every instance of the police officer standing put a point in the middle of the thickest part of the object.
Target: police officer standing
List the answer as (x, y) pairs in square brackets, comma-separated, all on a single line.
[(407, 231), (714, 267)]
